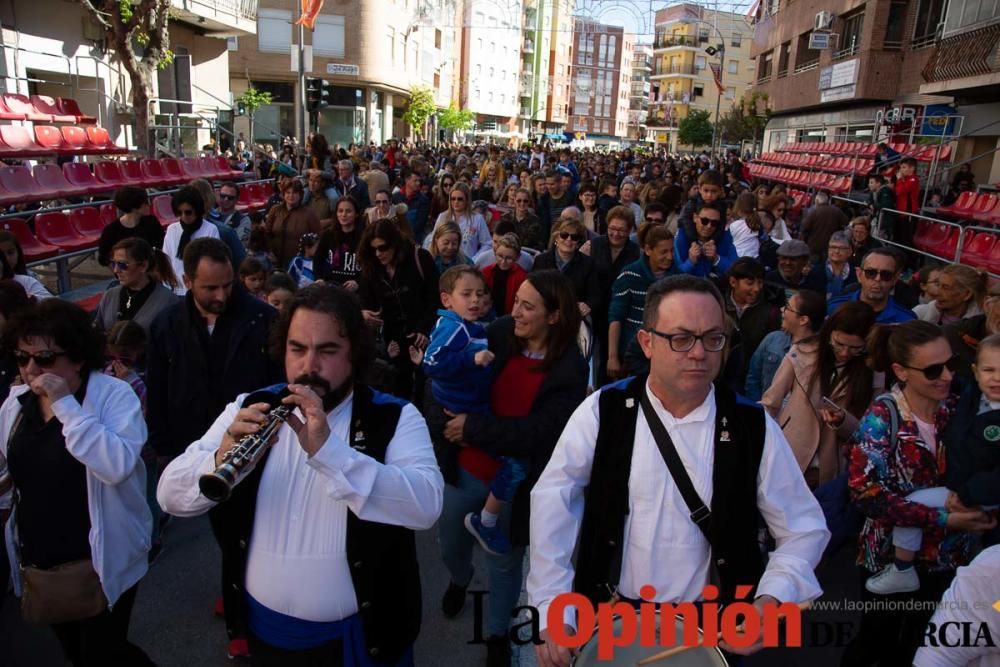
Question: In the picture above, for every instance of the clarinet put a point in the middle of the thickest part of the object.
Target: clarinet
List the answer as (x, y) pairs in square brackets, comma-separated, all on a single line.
[(241, 459)]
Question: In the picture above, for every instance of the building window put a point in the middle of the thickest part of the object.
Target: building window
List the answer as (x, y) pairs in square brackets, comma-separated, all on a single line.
[(699, 63), (929, 14), (764, 67), (612, 46), (805, 58), (736, 40), (850, 40), (783, 58), (734, 67), (964, 15), (274, 30), (602, 53), (703, 35), (730, 93), (894, 28), (328, 36), (232, 44), (437, 38), (699, 90)]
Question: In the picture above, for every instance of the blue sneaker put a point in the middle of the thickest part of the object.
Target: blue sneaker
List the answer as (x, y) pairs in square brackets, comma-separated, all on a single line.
[(490, 539)]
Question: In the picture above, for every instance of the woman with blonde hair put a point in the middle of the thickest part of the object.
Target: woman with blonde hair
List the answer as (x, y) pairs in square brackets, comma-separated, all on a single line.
[(564, 255), (475, 232), (445, 247), (961, 290)]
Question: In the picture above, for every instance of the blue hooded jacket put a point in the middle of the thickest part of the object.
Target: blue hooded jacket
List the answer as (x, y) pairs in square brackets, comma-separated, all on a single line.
[(457, 383)]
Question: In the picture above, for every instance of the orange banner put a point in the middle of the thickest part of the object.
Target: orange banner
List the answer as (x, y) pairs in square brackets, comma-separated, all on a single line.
[(310, 10)]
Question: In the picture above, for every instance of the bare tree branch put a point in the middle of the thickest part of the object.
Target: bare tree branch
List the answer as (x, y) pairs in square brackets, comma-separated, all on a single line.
[(98, 15)]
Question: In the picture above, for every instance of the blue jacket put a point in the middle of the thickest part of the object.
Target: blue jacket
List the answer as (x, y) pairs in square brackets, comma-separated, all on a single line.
[(893, 313), (703, 268), (229, 237), (764, 363), (457, 383)]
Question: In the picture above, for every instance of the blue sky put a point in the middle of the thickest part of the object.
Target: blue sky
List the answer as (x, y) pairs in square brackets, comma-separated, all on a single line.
[(637, 15)]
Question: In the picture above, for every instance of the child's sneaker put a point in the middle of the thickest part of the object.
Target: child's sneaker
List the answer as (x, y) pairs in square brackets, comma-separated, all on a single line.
[(893, 580), (490, 538)]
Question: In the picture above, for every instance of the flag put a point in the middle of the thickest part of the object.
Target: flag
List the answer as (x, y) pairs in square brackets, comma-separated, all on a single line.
[(752, 14), (310, 10), (717, 75)]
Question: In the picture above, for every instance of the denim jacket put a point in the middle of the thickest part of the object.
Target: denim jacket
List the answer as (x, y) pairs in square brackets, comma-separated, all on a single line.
[(764, 363)]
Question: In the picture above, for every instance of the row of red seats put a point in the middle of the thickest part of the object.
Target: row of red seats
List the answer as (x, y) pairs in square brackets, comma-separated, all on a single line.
[(980, 249), (981, 207), (811, 179), (42, 109), (74, 179), (920, 152), (18, 141), (837, 165)]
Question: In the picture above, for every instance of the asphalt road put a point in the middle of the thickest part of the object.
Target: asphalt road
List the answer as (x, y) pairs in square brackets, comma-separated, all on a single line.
[(174, 623)]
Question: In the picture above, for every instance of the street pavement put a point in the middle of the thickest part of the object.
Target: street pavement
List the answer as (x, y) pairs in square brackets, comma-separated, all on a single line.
[(173, 620)]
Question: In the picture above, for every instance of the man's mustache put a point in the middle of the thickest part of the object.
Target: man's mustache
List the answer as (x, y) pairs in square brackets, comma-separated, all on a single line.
[(314, 380)]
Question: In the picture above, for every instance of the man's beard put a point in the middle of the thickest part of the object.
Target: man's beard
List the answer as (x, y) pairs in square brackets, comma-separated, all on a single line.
[(331, 397), (215, 307)]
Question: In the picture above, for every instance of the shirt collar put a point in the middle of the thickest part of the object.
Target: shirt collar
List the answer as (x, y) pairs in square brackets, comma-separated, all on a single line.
[(701, 414)]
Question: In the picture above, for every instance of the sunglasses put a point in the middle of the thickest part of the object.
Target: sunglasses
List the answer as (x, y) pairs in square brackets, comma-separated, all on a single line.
[(118, 266), (571, 237), (187, 212), (709, 222), (380, 248), (44, 359), (656, 220), (227, 197), (882, 274), (458, 199), (934, 371)]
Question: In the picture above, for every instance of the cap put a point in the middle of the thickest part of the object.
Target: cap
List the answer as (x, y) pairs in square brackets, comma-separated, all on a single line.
[(793, 248)]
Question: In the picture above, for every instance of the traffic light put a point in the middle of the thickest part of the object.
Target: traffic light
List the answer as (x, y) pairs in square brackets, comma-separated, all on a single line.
[(241, 109), (317, 93)]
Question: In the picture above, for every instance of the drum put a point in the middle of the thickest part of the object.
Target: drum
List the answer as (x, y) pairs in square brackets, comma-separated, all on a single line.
[(628, 656)]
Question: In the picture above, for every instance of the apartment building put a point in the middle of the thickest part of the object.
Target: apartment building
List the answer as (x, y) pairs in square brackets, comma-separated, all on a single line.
[(55, 47), (546, 56), (491, 64), (638, 107), (371, 51), (601, 81), (691, 42)]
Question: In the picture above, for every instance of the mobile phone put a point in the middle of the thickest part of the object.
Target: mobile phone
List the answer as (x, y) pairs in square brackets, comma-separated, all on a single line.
[(831, 405)]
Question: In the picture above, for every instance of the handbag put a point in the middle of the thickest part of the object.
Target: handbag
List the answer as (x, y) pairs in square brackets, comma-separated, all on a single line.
[(67, 592)]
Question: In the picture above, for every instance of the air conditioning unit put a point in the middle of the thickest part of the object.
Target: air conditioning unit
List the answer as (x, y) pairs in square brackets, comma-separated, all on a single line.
[(824, 20)]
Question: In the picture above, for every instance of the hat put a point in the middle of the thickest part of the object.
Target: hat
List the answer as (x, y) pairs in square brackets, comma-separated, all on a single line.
[(793, 248)]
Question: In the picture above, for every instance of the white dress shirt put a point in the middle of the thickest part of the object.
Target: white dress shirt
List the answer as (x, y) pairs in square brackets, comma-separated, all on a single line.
[(662, 546), (171, 241), (297, 558)]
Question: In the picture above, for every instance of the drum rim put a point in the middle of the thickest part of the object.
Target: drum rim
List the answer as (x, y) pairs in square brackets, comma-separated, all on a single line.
[(711, 649)]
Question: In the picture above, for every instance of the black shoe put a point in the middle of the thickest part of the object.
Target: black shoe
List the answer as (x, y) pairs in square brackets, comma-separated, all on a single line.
[(497, 652), (453, 601)]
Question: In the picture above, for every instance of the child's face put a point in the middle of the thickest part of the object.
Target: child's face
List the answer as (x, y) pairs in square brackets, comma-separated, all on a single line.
[(873, 184), (709, 192), (279, 299), (447, 245), (905, 169), (310, 250), (987, 370), (254, 282), (467, 299)]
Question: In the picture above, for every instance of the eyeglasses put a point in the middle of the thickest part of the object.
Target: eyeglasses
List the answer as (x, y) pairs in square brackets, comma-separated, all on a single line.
[(44, 359), (654, 219), (713, 341), (838, 248), (882, 274), (186, 212), (790, 309), (709, 222), (118, 266), (458, 199), (227, 197), (522, 201), (617, 230), (934, 371), (379, 249), (854, 350), (566, 236), (382, 202)]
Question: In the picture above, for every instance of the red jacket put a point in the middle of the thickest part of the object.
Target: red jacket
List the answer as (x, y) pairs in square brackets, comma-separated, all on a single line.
[(908, 194), (514, 280)]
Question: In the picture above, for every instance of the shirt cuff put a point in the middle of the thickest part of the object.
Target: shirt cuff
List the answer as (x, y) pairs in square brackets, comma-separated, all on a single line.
[(782, 590), (65, 407), (332, 458)]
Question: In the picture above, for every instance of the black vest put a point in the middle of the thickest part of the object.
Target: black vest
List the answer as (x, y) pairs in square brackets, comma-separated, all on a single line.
[(735, 550), (382, 558)]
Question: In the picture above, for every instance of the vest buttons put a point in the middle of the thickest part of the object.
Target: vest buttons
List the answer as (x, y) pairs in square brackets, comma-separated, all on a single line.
[(366, 605), (611, 543), (374, 652), (721, 561), (243, 544), (357, 565)]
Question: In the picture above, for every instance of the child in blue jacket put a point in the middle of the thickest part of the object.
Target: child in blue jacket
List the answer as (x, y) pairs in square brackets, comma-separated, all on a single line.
[(457, 362)]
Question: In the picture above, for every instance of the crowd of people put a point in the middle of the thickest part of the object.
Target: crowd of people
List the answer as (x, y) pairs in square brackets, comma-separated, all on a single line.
[(604, 362)]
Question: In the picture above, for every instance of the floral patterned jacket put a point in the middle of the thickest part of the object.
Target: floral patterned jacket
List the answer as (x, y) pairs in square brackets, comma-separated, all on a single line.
[(883, 473)]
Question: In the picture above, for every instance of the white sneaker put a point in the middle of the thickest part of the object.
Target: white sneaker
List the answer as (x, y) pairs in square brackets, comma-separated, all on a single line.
[(893, 580)]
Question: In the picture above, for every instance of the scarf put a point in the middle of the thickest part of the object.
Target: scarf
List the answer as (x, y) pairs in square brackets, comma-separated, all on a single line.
[(186, 234)]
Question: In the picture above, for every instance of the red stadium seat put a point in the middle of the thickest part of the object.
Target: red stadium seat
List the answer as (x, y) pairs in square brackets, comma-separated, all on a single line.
[(132, 173), (16, 142), (33, 248), (989, 215), (49, 137), (155, 173), (245, 202), (47, 105), (7, 114), (172, 168), (55, 229), (20, 104), (52, 179), (163, 210), (978, 249), (261, 194), (109, 213), (69, 107), (920, 235), (109, 173), (192, 168), (211, 170), (933, 237), (87, 222), (963, 202), (948, 246), (225, 168), (79, 175), (101, 141), (984, 202), (19, 181), (75, 138)]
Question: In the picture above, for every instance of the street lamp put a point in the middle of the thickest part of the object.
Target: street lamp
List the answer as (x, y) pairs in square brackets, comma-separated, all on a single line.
[(711, 51)]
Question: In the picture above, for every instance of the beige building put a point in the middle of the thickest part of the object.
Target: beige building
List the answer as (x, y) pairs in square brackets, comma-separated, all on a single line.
[(682, 77), (371, 51), (601, 83)]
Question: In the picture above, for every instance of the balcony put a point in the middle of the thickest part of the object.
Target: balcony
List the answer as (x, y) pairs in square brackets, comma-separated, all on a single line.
[(224, 17), (529, 46), (672, 42), (969, 61), (662, 69)]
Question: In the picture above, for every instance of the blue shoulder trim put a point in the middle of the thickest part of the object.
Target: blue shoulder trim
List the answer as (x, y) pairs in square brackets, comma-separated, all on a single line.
[(743, 400), (378, 398), (619, 385), (274, 388)]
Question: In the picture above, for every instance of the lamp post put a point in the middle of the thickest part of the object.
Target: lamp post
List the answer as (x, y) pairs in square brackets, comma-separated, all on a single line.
[(711, 51)]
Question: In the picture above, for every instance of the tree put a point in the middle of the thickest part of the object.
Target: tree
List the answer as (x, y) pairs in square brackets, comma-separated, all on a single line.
[(455, 119), (696, 129), (250, 101), (128, 23), (746, 120), (420, 107)]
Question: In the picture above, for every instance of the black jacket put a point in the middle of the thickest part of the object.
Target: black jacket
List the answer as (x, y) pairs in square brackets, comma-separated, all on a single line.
[(191, 377), (532, 437), (409, 301), (756, 322), (972, 449), (580, 272)]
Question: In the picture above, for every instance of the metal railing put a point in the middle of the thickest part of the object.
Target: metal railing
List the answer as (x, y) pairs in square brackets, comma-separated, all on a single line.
[(670, 42), (661, 69), (846, 52), (805, 67)]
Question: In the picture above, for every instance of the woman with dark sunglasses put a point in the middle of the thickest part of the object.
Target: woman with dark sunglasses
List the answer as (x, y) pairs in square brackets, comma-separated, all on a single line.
[(440, 194), (897, 452), (564, 255), (72, 438), (144, 289)]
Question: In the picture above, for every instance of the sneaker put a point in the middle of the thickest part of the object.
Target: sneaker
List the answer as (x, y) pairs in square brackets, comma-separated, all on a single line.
[(453, 601), (492, 539), (497, 652), (219, 608), (238, 648), (893, 580)]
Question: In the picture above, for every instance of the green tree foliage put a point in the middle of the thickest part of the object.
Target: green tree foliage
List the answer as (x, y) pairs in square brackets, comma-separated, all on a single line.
[(746, 120), (456, 119), (420, 107), (252, 100), (696, 129)]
